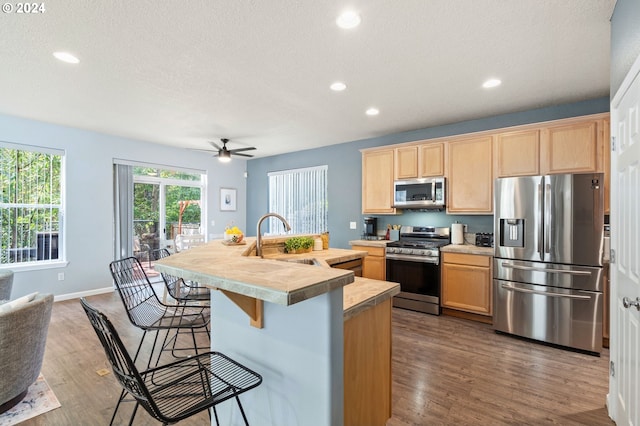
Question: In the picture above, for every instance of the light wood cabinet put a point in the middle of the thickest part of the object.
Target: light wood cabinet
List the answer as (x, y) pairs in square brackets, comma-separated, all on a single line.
[(406, 162), (431, 160), (466, 283), (572, 148), (518, 153), (374, 264), (377, 181), (367, 367), (418, 161), (470, 179)]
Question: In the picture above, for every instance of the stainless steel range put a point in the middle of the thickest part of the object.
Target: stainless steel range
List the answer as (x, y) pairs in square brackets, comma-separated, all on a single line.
[(414, 262)]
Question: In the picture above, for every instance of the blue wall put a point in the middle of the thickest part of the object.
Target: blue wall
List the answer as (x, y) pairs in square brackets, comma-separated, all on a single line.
[(88, 236), (345, 170), (625, 40)]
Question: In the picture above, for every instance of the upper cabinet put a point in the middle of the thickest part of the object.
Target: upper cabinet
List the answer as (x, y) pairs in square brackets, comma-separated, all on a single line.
[(418, 161), (470, 180), (572, 148), (377, 181), (517, 153), (471, 162), (406, 162), (431, 159)]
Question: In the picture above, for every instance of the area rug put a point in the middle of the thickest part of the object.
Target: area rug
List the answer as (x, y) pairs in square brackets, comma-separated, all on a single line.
[(39, 399)]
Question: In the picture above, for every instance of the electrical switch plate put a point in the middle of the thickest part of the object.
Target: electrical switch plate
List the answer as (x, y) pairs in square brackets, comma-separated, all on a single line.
[(352, 225), (60, 276), (213, 223)]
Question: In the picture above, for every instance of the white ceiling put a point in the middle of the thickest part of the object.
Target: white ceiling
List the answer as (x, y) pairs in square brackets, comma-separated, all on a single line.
[(258, 72)]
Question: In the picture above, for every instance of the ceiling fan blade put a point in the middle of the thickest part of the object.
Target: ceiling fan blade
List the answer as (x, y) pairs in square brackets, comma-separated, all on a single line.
[(233, 151), (241, 155), (203, 150), (215, 145)]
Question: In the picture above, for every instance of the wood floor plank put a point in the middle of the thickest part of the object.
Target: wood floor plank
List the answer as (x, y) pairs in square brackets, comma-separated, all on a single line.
[(446, 371)]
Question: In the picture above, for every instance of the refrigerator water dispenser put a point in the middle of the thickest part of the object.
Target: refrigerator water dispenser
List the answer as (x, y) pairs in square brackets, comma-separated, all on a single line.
[(512, 232)]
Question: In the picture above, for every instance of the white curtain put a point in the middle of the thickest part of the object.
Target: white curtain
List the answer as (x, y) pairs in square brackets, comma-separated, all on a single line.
[(123, 213), (300, 196)]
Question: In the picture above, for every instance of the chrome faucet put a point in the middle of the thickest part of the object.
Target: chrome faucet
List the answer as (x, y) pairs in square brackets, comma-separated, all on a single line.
[(259, 236)]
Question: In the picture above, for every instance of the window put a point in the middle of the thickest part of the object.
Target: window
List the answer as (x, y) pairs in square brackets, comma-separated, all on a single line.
[(300, 196), (31, 208)]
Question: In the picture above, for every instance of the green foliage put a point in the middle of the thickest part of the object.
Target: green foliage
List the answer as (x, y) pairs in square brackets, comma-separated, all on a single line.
[(30, 190), (298, 243)]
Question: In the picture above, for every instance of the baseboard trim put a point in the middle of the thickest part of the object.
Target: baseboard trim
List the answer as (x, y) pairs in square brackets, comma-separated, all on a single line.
[(467, 315), (80, 294)]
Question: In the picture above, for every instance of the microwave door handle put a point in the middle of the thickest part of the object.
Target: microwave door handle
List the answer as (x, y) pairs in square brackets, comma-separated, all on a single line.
[(433, 191)]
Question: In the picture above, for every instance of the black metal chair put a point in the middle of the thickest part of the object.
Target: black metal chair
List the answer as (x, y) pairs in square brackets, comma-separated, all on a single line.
[(182, 291), (178, 390), (148, 313)]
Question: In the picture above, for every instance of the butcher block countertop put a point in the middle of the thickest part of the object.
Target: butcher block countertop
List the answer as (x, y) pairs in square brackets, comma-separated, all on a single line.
[(235, 268), (467, 249), (370, 243)]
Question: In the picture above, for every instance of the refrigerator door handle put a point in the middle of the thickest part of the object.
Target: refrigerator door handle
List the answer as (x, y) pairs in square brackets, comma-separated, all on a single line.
[(540, 243), (547, 218), (533, 268), (545, 293)]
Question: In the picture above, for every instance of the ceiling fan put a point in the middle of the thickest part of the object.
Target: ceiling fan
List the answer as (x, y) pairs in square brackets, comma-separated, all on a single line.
[(224, 154)]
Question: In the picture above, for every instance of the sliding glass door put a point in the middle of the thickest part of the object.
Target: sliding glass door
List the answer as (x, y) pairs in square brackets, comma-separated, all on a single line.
[(152, 205)]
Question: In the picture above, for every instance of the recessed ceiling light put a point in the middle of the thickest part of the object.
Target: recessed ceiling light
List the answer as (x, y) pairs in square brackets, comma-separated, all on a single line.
[(373, 111), (347, 20), (66, 57), (338, 86), (493, 82)]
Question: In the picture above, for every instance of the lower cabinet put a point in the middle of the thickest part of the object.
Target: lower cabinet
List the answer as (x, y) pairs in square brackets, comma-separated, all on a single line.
[(367, 367), (374, 264), (466, 283)]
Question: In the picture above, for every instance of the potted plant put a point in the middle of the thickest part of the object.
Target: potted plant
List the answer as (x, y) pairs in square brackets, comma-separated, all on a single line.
[(298, 245)]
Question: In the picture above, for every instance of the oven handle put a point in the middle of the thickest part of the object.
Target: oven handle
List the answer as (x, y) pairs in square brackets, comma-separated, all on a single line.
[(417, 259), (532, 268), (544, 293)]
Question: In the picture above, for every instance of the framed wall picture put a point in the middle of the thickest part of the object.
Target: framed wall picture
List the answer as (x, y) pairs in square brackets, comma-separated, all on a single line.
[(228, 199)]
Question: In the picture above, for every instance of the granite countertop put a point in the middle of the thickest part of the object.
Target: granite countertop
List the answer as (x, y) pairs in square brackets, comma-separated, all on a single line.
[(370, 243), (467, 249), (234, 268)]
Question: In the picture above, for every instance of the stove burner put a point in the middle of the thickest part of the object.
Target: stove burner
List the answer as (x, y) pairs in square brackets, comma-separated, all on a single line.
[(420, 241), (418, 244)]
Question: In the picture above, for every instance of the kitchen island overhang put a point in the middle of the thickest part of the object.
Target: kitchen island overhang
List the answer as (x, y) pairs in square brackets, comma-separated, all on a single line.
[(300, 350)]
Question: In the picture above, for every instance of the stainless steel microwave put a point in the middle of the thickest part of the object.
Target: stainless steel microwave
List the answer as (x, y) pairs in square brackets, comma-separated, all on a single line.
[(426, 193)]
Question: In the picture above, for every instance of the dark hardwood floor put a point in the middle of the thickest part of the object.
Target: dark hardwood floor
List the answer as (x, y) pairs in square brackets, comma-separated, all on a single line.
[(446, 371)]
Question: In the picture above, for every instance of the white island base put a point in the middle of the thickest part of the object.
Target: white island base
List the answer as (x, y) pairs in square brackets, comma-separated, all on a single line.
[(299, 354)]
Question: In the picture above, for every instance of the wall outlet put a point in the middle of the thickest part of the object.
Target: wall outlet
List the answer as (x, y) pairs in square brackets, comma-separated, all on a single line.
[(60, 276), (352, 225)]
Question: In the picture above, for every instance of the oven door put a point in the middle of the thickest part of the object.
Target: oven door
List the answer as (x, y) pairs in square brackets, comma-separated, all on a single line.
[(419, 280)]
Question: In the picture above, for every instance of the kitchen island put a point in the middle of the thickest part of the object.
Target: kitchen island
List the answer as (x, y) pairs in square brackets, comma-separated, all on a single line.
[(297, 341)]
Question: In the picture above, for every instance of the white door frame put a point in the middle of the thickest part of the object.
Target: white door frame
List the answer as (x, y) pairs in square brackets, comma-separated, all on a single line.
[(617, 341)]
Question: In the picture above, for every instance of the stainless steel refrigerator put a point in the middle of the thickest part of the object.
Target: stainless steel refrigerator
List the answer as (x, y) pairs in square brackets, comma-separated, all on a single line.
[(548, 242)]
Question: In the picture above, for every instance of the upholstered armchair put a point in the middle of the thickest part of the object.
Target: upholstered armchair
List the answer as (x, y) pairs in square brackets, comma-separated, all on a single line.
[(23, 335)]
